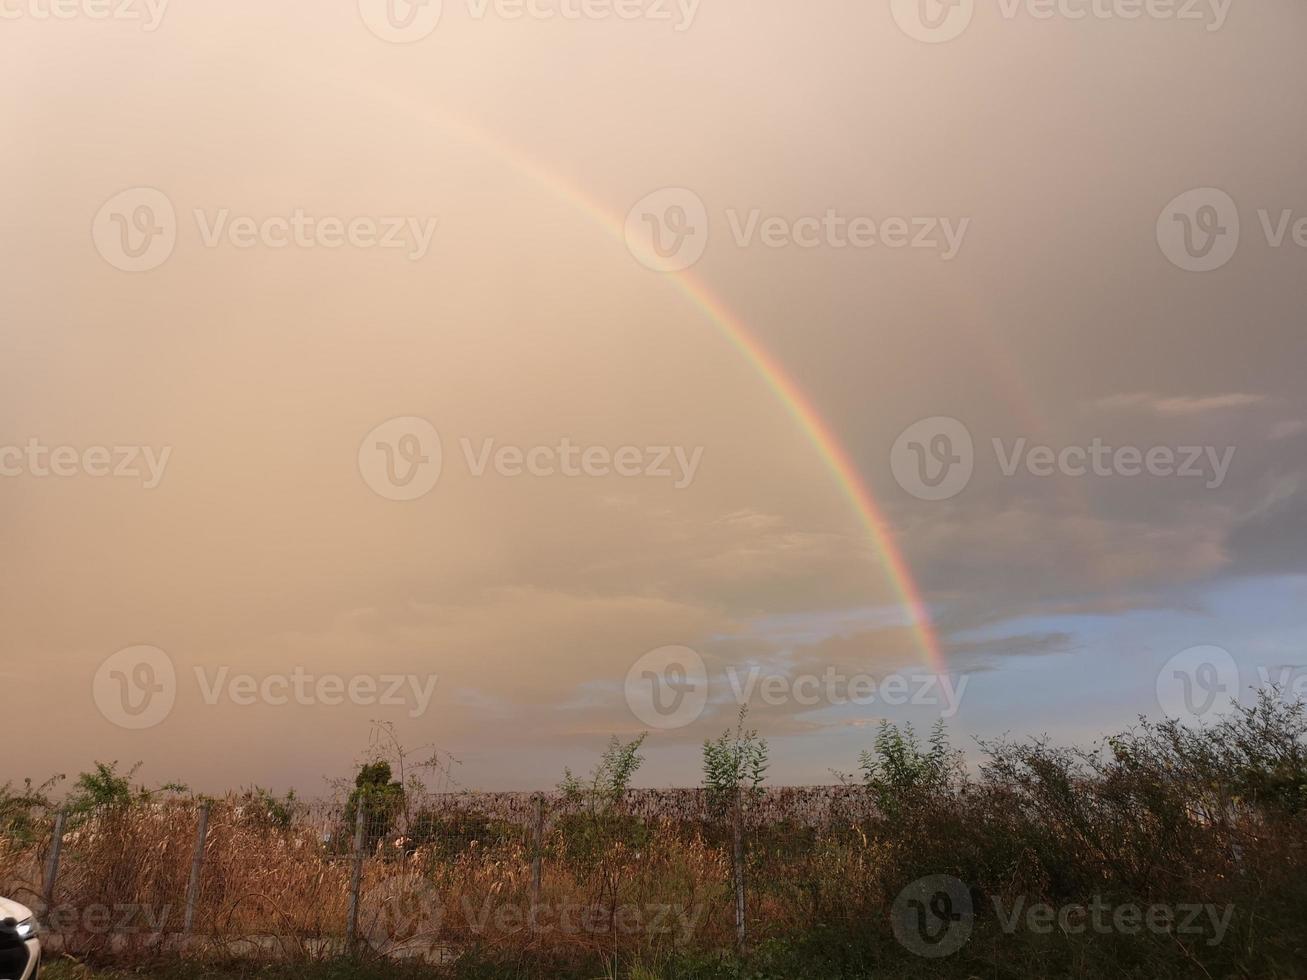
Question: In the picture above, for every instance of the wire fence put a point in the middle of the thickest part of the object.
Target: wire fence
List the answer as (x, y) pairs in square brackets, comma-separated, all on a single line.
[(655, 870)]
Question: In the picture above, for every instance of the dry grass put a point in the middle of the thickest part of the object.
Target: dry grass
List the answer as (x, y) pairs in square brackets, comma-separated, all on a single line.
[(1171, 817)]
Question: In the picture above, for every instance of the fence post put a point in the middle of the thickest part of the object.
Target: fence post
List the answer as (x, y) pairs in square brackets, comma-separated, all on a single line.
[(356, 876), (52, 862), (537, 858), (738, 863), (197, 863)]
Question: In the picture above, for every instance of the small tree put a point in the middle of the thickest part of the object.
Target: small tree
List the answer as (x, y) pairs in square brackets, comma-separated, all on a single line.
[(23, 809), (899, 765), (734, 764), (105, 786), (381, 797), (598, 823), (610, 778), (265, 809)]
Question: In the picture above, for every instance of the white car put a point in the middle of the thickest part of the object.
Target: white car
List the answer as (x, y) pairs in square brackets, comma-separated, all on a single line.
[(20, 950)]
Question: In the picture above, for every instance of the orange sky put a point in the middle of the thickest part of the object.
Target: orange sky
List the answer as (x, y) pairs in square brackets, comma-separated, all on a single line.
[(512, 315)]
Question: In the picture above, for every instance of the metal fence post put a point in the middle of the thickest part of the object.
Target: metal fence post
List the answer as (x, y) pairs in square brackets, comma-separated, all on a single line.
[(537, 858), (738, 863), (356, 876), (197, 864), (52, 862)]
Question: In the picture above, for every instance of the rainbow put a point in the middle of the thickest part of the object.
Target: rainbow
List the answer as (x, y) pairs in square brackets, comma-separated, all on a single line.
[(798, 404)]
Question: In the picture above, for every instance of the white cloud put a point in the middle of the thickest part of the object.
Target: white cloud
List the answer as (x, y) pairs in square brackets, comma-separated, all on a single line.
[(1176, 405)]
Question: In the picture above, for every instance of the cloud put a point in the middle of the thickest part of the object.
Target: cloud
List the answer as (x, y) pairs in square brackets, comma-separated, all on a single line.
[(1178, 405), (529, 323), (1288, 428), (1022, 645), (1030, 554)]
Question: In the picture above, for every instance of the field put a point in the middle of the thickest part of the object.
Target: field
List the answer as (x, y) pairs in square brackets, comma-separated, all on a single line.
[(1166, 852)]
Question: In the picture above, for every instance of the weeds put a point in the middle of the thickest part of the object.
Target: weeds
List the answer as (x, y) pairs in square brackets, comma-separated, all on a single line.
[(639, 883)]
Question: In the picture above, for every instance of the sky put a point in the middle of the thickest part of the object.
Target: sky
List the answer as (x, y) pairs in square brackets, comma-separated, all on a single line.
[(511, 375)]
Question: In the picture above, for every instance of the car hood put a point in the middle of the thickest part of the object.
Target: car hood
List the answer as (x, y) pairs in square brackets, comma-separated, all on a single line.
[(12, 910)]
